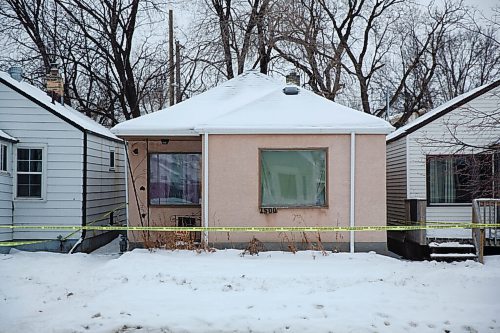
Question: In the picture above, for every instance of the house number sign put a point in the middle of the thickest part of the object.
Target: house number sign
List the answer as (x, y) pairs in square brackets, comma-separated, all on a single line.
[(273, 210)]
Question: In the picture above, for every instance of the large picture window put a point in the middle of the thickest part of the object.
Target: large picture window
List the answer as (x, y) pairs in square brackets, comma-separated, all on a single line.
[(174, 179), (456, 179), (29, 172), (293, 178)]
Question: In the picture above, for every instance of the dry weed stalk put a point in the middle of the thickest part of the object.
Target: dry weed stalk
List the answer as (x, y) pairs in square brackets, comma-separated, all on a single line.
[(254, 247)]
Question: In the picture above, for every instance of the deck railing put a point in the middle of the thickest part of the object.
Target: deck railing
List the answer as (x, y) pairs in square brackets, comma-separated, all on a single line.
[(485, 211)]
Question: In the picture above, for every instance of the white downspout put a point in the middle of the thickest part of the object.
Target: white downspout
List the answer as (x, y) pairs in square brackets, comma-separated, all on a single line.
[(205, 187), (353, 183), (125, 154)]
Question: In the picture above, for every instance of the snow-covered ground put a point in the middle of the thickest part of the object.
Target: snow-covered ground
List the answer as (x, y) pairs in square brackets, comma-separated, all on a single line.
[(185, 291)]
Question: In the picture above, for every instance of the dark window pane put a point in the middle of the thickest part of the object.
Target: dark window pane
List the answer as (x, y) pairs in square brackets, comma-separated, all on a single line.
[(35, 191), (23, 179), (35, 166), (3, 158), (35, 179), (174, 179), (23, 166), (111, 159), (22, 190), (23, 154), (36, 154)]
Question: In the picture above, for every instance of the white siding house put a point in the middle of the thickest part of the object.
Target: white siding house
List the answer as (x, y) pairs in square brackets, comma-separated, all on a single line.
[(6, 142), (422, 154), (59, 170)]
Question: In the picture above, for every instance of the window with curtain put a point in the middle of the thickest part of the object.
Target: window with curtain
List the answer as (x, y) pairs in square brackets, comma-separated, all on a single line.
[(174, 179), (459, 178), (293, 178)]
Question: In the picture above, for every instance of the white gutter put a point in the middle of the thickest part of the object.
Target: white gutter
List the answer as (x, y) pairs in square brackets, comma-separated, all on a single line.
[(353, 183), (294, 130), (162, 132), (205, 187)]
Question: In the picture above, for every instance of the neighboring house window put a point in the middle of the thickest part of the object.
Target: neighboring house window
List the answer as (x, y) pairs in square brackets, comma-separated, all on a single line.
[(455, 179), (3, 157), (174, 179), (29, 172), (112, 159), (293, 178)]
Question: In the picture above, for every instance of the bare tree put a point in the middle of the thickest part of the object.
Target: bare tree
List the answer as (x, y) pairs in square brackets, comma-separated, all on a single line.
[(305, 40), (107, 68)]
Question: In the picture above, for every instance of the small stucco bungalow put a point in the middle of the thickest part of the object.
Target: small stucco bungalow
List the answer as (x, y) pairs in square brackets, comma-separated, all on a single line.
[(254, 152), (57, 167), (439, 163)]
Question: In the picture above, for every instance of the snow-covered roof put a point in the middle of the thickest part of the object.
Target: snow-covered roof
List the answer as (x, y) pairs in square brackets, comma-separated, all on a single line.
[(65, 112), (441, 110), (7, 137), (253, 103)]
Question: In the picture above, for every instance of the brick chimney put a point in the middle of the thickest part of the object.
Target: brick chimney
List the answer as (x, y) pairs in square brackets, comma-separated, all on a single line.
[(55, 85), (293, 78)]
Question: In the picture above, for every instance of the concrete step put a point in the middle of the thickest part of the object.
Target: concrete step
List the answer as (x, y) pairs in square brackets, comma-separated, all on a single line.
[(453, 255), (452, 251), (450, 245)]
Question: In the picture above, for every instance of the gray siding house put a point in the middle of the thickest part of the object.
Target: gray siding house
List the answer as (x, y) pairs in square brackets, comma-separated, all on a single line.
[(61, 168), (442, 161)]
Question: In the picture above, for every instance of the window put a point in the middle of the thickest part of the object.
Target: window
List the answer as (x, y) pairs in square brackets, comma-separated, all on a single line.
[(3, 158), (174, 179), (29, 172), (293, 178), (455, 179), (112, 159)]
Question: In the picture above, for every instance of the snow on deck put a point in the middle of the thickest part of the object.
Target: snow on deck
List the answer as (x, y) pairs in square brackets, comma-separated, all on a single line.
[(185, 291)]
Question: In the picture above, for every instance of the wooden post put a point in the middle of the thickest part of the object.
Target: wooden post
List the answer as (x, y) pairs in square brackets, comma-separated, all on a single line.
[(171, 56), (178, 97)]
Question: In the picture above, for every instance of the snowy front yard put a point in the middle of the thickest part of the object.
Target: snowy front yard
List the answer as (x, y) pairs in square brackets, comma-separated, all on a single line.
[(183, 291)]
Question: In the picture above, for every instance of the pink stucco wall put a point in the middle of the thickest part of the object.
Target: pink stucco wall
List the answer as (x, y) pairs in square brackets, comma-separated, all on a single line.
[(139, 210), (234, 187)]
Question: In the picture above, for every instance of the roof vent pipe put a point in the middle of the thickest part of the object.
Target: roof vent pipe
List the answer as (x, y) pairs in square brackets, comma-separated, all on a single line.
[(293, 78), (292, 90), (16, 72)]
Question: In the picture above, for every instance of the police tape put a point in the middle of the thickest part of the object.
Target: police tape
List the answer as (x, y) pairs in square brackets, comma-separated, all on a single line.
[(434, 225), (19, 243)]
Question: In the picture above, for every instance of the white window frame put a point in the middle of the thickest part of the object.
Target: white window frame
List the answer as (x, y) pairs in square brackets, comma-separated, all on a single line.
[(112, 167), (4, 168), (43, 193)]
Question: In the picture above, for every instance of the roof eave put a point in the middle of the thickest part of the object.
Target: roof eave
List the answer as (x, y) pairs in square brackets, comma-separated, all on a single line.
[(443, 112), (294, 130), (122, 133)]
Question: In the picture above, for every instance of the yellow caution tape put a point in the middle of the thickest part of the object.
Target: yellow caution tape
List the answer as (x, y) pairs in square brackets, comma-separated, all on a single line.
[(263, 229), (11, 244)]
